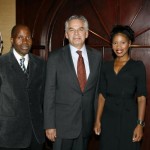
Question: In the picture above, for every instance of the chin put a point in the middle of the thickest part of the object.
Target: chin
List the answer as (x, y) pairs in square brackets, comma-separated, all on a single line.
[(24, 52)]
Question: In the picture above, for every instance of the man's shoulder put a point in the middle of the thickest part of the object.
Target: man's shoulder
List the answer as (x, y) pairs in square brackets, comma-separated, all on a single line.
[(36, 58), (93, 49), (57, 52), (95, 52)]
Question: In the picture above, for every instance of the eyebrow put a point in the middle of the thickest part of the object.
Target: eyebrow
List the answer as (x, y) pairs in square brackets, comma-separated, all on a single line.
[(76, 29)]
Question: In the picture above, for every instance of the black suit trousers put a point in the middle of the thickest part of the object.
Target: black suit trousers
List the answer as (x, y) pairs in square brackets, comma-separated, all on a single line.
[(79, 143)]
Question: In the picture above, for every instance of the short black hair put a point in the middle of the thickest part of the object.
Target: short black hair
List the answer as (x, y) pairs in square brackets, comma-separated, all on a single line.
[(126, 30), (16, 27)]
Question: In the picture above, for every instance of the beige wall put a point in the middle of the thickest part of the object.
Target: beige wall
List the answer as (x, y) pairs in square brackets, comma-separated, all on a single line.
[(7, 21)]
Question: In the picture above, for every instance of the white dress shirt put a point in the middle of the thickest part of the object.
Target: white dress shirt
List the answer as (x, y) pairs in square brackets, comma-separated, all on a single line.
[(18, 57), (75, 58)]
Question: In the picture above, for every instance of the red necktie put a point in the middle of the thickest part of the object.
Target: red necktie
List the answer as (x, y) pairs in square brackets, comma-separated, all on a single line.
[(81, 73)]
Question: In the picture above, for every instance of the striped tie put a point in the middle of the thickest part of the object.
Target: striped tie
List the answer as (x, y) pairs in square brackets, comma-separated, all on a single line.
[(22, 65)]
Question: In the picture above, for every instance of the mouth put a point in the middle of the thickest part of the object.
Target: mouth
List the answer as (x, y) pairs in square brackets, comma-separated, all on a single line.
[(76, 38), (119, 51), (25, 47)]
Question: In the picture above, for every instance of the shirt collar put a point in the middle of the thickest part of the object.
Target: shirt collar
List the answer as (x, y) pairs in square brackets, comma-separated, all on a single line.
[(18, 56), (74, 50)]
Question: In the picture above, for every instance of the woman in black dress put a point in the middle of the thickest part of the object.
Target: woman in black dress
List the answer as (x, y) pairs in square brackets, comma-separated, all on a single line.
[(122, 98)]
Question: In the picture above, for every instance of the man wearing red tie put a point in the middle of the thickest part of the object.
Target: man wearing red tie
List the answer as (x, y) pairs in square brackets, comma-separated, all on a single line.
[(71, 89)]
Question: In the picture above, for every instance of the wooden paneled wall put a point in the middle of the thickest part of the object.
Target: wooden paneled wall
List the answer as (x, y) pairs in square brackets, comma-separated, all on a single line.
[(7, 21), (46, 19)]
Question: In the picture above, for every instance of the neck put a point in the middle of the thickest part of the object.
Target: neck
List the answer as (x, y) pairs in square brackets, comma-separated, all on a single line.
[(122, 59)]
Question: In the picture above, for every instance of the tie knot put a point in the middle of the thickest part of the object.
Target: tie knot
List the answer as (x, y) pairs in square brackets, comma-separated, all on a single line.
[(79, 52), (22, 59)]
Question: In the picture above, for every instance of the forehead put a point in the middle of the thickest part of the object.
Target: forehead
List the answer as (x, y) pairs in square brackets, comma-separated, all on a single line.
[(120, 36), (75, 23), (21, 30)]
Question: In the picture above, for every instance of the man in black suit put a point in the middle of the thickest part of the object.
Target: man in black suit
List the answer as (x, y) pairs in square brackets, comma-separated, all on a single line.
[(21, 94), (69, 105)]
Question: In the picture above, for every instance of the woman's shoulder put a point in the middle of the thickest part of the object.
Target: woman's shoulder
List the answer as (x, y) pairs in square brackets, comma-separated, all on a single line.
[(138, 63)]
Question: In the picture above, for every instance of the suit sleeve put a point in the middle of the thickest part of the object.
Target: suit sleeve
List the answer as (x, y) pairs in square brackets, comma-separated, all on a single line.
[(98, 85), (43, 82), (103, 81), (49, 96)]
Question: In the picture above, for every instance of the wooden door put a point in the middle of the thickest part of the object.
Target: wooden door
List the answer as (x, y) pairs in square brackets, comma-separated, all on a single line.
[(46, 19)]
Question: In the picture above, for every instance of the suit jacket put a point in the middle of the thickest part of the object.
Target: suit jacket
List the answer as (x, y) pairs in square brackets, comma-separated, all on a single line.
[(66, 107), (21, 112)]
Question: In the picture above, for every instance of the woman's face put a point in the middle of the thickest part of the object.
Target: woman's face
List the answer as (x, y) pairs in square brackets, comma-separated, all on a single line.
[(120, 45)]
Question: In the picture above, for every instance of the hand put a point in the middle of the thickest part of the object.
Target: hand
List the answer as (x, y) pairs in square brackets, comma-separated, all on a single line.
[(51, 134), (97, 128), (138, 133)]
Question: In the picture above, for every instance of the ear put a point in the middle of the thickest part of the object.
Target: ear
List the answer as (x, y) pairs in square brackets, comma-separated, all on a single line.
[(11, 40), (87, 34), (130, 43), (66, 35)]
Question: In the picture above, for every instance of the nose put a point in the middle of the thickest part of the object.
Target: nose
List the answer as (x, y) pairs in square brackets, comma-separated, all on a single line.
[(76, 31), (118, 45), (24, 40)]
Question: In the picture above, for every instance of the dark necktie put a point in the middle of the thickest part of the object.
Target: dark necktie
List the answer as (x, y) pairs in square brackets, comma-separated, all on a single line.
[(22, 65), (81, 73)]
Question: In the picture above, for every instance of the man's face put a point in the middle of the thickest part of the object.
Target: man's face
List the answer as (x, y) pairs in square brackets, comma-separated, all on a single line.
[(22, 40), (76, 33)]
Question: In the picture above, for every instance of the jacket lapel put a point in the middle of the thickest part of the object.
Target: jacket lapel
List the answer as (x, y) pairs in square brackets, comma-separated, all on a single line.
[(16, 69), (91, 59), (69, 63), (32, 69)]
